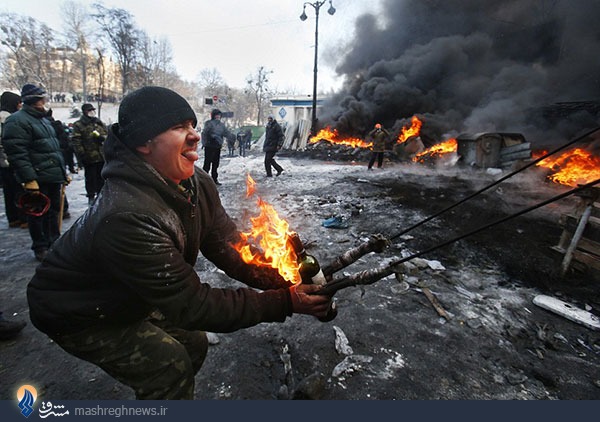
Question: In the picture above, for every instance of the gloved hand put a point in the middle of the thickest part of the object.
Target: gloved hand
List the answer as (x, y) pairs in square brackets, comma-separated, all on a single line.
[(305, 301), (32, 185), (95, 134), (68, 181)]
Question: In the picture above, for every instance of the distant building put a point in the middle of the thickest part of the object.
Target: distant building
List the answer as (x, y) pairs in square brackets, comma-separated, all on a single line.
[(294, 113)]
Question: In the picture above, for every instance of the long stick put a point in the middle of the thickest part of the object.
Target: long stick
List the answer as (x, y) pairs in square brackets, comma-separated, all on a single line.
[(502, 179), (61, 210), (370, 276)]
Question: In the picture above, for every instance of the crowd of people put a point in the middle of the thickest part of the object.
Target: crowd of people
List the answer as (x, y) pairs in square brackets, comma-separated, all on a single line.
[(99, 291)]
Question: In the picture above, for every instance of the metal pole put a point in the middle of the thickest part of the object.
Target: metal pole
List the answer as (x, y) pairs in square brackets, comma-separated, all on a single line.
[(313, 128)]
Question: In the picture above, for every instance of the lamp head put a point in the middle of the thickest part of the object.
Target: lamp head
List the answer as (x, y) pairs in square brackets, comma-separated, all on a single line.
[(331, 9), (303, 16)]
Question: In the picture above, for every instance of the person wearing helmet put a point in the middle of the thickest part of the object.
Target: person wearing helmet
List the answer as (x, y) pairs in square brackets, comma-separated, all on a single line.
[(378, 137), (119, 288), (33, 149), (213, 136)]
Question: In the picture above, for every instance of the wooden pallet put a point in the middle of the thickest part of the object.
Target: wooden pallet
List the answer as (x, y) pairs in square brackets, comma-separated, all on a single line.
[(580, 241)]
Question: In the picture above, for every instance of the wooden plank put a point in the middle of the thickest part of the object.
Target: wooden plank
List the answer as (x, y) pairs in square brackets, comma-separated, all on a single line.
[(589, 246), (592, 229), (523, 147), (590, 261), (568, 310)]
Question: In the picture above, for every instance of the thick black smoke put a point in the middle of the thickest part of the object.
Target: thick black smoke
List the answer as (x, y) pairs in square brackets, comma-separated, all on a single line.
[(471, 66)]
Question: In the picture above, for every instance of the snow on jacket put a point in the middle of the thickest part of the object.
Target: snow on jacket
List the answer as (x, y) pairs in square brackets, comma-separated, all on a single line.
[(273, 137), (87, 146), (32, 148), (214, 133), (134, 251)]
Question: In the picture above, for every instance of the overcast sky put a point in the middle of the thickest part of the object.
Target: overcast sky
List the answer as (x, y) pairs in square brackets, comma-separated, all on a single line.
[(236, 36)]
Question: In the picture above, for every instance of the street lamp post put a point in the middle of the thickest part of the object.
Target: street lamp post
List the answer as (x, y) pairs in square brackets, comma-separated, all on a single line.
[(317, 6)]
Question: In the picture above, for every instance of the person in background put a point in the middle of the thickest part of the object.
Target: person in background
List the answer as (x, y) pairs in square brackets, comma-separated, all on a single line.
[(213, 135), (119, 288), (9, 104), (63, 139), (378, 136), (88, 138), (34, 151), (231, 144), (243, 137), (273, 143)]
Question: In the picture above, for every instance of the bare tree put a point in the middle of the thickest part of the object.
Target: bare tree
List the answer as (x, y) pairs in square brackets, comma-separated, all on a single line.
[(155, 60), (124, 37), (258, 87), (29, 50), (76, 20)]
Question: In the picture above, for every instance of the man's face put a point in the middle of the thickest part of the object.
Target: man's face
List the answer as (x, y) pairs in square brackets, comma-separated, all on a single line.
[(173, 152)]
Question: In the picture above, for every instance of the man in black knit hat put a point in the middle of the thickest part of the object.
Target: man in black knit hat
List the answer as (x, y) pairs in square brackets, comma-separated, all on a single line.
[(119, 288), (33, 151)]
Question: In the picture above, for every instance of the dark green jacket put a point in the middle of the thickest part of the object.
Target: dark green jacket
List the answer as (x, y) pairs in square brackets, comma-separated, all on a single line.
[(32, 148), (87, 147), (134, 251)]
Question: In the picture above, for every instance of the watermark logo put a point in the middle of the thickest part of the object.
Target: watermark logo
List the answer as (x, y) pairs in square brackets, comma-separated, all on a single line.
[(27, 395)]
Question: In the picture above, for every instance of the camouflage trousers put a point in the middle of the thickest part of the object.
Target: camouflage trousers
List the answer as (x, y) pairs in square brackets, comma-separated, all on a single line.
[(158, 361)]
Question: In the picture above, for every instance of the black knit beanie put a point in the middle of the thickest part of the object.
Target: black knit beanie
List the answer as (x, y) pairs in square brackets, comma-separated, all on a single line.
[(9, 101), (31, 94), (149, 111)]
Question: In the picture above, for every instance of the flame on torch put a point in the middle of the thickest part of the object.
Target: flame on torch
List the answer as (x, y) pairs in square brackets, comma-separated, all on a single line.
[(266, 244)]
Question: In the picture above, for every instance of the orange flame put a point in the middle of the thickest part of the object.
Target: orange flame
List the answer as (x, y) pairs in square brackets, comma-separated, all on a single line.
[(574, 167), (332, 136), (266, 244), (408, 132), (437, 150)]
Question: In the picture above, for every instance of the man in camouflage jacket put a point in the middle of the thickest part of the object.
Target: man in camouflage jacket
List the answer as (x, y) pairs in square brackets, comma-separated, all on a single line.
[(88, 138)]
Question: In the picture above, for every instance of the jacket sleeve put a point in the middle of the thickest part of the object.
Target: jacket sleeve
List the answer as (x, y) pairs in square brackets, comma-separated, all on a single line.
[(137, 251), (76, 138), (16, 138)]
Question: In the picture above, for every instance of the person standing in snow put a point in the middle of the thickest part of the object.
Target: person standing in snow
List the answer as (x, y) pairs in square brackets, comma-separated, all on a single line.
[(378, 136), (33, 150), (119, 288), (9, 104), (273, 143), (88, 138), (213, 135)]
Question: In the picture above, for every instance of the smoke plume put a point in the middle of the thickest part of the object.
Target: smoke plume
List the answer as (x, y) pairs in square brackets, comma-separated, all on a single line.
[(472, 66)]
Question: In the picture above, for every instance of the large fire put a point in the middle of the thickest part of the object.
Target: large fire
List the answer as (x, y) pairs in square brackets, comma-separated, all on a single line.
[(574, 167), (451, 145), (409, 132), (332, 136), (266, 244)]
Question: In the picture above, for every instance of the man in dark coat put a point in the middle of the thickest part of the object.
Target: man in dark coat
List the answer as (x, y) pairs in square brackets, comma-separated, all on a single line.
[(213, 135), (10, 103), (273, 143), (87, 139), (119, 288), (33, 150), (379, 137)]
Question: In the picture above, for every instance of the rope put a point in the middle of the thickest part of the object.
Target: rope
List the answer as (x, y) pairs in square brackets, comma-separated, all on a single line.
[(335, 285)]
